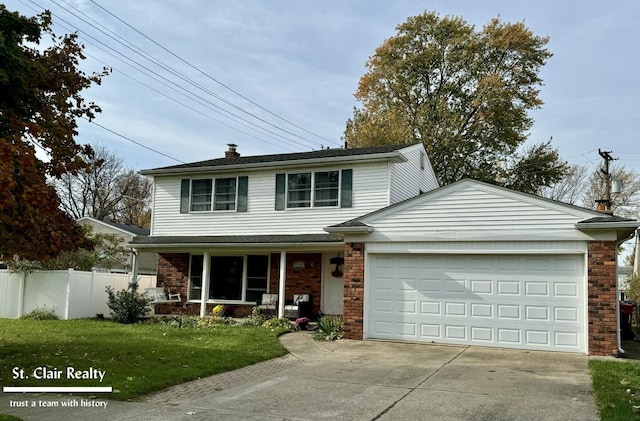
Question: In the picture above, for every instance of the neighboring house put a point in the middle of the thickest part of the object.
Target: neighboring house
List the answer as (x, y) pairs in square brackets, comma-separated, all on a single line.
[(624, 274), (468, 263), (147, 262)]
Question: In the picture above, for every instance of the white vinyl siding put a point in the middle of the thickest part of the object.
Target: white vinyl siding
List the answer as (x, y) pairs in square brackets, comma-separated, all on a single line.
[(370, 192), (471, 211), (410, 178)]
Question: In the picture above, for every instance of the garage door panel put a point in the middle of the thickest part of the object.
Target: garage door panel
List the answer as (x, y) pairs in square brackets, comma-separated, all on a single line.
[(506, 301)]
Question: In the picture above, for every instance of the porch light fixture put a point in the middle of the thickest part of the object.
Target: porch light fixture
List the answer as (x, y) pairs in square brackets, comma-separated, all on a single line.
[(337, 261)]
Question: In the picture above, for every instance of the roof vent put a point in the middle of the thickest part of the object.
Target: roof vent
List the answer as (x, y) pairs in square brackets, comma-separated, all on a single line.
[(231, 152)]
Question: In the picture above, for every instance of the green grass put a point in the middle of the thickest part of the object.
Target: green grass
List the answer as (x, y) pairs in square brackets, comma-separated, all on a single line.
[(5, 417), (138, 359), (616, 388)]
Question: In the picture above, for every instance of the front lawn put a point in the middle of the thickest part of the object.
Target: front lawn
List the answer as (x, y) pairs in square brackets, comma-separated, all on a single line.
[(138, 359), (616, 388)]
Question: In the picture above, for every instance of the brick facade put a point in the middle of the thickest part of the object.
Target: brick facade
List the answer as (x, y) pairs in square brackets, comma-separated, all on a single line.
[(299, 281), (173, 273), (353, 311), (601, 307)]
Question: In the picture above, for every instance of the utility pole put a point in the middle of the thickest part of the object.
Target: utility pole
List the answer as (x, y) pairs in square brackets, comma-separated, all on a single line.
[(606, 202)]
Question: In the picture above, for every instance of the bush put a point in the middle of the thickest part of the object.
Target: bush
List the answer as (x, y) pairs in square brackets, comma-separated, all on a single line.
[(127, 305), (257, 318), (329, 328), (278, 323), (43, 313)]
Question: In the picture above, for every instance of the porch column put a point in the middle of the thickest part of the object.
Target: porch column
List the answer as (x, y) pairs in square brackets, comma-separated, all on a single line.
[(204, 291), (281, 286)]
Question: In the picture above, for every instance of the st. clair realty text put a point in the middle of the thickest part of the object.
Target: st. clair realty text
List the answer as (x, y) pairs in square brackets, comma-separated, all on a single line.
[(53, 373)]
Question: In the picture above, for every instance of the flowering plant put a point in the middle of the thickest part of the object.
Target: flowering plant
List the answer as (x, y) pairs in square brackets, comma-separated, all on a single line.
[(302, 323), (218, 311)]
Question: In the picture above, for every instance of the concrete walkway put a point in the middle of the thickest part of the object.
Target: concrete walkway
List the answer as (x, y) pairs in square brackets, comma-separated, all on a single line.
[(365, 380)]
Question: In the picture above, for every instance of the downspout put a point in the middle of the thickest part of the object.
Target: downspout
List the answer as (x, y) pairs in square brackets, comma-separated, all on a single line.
[(620, 350), (134, 265)]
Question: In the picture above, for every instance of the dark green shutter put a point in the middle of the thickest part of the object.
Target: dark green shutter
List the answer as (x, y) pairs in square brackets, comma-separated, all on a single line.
[(346, 185), (243, 188), (280, 191), (184, 195)]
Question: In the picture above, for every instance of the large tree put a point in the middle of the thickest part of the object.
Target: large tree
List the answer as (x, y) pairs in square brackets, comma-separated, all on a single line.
[(40, 102), (464, 93), (107, 190)]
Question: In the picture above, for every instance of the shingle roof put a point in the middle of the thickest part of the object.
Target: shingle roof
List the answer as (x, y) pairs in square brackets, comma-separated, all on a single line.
[(263, 159), (610, 218), (131, 228), (236, 239)]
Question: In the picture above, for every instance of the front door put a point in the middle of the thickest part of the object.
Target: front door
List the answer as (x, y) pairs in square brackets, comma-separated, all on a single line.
[(332, 285)]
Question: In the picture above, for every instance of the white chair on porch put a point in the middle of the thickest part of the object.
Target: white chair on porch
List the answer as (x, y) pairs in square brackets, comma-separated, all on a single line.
[(269, 303), (293, 311)]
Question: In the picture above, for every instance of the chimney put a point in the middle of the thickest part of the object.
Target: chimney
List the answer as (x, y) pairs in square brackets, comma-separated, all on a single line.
[(231, 153)]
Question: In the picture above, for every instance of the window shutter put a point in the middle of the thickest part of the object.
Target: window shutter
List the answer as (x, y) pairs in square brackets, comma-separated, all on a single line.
[(243, 188), (280, 191), (185, 184), (346, 189)]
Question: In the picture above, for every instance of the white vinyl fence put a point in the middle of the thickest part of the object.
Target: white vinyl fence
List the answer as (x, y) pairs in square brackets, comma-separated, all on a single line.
[(72, 294)]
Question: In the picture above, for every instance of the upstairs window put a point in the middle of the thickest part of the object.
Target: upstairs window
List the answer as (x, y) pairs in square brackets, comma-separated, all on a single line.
[(299, 190), (220, 194), (225, 197), (314, 189), (201, 195), (326, 188)]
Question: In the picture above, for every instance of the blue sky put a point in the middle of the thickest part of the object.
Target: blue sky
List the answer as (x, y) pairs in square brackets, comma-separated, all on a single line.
[(302, 61)]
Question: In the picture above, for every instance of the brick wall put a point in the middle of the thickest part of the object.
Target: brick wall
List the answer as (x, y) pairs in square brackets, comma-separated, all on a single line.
[(299, 281), (601, 308), (353, 312), (173, 274)]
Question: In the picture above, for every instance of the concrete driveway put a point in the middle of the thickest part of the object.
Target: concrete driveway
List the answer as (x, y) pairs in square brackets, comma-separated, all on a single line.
[(370, 380)]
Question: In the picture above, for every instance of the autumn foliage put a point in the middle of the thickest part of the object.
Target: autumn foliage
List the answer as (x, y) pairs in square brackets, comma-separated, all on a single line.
[(39, 105)]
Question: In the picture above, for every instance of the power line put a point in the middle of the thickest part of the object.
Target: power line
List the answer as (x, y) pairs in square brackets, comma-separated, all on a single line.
[(134, 141), (169, 83), (149, 57), (216, 80)]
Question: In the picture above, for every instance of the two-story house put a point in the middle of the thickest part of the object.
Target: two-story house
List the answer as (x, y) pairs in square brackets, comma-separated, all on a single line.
[(229, 230), (368, 234)]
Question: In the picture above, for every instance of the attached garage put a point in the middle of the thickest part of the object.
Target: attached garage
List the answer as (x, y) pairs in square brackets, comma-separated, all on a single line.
[(510, 301), (476, 264)]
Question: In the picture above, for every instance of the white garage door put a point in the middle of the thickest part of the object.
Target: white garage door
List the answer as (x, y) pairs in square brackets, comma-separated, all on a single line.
[(528, 302)]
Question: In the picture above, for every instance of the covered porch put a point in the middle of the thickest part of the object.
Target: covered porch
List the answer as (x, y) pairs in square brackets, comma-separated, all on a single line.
[(237, 272)]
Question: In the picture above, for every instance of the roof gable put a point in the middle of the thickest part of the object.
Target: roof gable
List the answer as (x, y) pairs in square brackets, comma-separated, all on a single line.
[(472, 210)]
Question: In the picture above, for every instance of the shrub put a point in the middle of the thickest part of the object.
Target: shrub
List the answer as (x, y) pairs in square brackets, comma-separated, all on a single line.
[(210, 321), (329, 328), (43, 313), (257, 318), (127, 305), (278, 323)]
